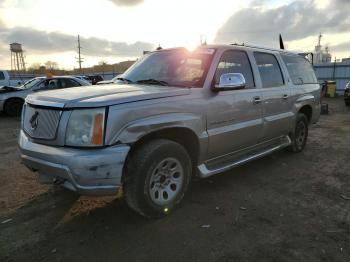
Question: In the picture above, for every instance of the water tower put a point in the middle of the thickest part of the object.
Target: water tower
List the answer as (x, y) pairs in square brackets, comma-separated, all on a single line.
[(17, 58)]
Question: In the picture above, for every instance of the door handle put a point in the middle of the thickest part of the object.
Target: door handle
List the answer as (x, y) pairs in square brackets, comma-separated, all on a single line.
[(285, 96), (256, 100)]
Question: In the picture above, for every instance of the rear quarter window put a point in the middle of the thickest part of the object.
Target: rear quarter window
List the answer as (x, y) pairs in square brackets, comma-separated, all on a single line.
[(300, 70), (2, 76)]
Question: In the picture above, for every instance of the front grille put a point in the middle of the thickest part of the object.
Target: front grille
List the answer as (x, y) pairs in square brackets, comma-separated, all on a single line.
[(41, 123)]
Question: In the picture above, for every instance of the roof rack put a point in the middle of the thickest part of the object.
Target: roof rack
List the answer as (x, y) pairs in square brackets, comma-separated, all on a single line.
[(263, 48)]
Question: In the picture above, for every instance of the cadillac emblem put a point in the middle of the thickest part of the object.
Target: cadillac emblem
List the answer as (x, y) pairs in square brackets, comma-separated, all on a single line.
[(34, 120)]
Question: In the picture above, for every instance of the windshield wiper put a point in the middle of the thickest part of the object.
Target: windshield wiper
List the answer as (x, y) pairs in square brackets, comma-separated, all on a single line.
[(153, 82), (124, 79)]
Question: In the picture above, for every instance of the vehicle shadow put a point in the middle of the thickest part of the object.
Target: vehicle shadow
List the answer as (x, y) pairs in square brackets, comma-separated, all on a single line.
[(30, 223), (60, 225)]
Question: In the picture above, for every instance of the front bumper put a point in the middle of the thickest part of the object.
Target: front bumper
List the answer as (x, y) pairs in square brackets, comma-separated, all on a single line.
[(347, 95), (86, 171)]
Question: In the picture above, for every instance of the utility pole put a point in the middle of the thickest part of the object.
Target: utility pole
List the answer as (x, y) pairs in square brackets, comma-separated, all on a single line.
[(334, 67), (80, 59)]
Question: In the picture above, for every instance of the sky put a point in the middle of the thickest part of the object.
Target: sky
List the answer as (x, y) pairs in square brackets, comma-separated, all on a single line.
[(117, 30)]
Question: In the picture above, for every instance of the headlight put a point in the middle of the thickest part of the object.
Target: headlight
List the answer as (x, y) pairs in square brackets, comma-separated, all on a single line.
[(86, 127)]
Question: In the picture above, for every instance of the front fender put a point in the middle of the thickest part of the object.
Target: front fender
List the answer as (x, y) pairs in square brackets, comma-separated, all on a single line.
[(135, 130)]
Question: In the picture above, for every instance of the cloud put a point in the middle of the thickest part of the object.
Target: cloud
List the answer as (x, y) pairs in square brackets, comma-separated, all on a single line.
[(127, 2), (41, 42), (297, 20), (343, 47)]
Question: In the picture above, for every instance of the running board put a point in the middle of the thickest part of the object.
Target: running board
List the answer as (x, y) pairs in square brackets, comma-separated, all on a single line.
[(205, 172)]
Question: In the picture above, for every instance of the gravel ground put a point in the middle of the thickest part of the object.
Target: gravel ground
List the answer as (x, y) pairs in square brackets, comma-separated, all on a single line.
[(284, 207)]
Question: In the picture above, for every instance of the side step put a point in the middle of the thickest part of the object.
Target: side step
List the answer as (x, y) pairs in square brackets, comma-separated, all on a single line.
[(205, 172)]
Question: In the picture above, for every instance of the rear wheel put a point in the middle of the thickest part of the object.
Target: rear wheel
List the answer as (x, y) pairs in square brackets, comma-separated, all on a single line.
[(13, 107), (300, 135), (157, 177)]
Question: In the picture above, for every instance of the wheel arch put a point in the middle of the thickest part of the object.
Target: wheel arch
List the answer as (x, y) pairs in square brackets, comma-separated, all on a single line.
[(307, 111), (13, 98), (182, 135)]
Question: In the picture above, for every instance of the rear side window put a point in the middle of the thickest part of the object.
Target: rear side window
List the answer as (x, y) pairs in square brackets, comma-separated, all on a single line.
[(300, 70), (234, 61), (269, 69), (2, 76)]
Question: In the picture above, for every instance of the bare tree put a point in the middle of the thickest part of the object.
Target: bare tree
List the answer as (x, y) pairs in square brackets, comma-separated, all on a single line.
[(34, 67), (51, 65), (102, 63)]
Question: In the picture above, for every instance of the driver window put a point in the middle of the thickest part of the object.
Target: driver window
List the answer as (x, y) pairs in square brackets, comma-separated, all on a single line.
[(234, 61), (49, 84)]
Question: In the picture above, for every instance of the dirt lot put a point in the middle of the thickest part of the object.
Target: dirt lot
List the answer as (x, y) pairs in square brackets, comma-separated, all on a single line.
[(283, 207)]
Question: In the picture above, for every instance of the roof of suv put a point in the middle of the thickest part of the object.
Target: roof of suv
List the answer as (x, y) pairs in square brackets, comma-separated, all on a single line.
[(241, 46)]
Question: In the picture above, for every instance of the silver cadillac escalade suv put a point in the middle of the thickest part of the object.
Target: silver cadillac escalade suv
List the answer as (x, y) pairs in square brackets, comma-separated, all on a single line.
[(173, 115)]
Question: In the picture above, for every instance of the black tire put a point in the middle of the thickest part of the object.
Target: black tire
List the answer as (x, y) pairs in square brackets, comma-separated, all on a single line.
[(299, 137), (13, 107), (347, 102), (141, 168)]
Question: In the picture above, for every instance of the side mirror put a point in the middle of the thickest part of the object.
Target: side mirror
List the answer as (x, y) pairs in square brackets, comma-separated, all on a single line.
[(230, 81)]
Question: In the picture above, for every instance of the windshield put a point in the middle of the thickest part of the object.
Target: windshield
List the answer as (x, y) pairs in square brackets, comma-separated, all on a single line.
[(114, 79), (171, 67), (30, 83)]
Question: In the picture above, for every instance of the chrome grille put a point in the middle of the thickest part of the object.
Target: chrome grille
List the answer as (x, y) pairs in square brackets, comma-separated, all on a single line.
[(41, 123)]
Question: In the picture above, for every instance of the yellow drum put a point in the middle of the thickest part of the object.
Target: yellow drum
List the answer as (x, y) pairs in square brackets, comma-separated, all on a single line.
[(331, 88)]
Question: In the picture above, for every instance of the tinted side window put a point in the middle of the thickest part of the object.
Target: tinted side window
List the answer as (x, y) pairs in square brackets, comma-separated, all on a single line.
[(300, 70), (269, 69), (2, 76), (50, 84), (65, 83), (234, 61)]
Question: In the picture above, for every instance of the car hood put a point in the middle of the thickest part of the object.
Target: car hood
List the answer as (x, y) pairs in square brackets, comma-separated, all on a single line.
[(105, 82), (9, 89), (103, 95)]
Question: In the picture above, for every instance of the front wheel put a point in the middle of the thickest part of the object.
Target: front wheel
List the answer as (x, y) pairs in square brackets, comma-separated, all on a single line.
[(13, 107), (157, 177), (299, 137)]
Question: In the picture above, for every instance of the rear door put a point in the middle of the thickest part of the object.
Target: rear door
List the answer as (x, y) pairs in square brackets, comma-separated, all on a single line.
[(67, 82), (276, 102), (234, 118), (301, 74)]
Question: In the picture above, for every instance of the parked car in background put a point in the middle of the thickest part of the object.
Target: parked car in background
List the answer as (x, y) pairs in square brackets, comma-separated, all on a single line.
[(83, 78), (173, 115), (347, 94), (5, 79), (107, 82), (94, 79), (12, 98)]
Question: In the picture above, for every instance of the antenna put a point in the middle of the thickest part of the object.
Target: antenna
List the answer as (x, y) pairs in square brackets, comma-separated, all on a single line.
[(281, 42), (159, 47), (203, 41)]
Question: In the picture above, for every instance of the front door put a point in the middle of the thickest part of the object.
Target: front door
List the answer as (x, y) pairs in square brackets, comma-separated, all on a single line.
[(234, 118)]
